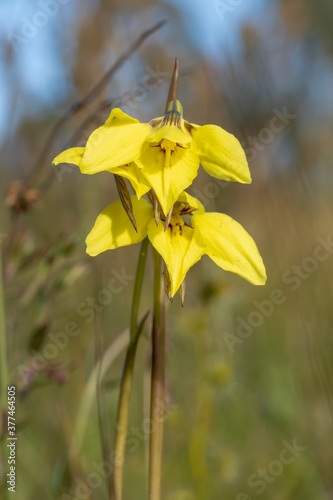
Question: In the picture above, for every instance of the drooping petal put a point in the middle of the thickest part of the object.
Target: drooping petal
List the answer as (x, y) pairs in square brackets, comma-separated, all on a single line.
[(180, 251), (113, 228), (220, 153), (230, 246), (135, 176), (118, 142), (72, 155), (168, 173)]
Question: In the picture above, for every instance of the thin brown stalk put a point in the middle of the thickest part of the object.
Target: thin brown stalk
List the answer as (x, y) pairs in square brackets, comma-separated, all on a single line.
[(157, 386)]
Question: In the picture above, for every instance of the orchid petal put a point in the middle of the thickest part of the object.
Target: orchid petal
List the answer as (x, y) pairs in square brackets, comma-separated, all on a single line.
[(118, 142), (168, 172), (230, 246), (72, 155), (220, 153), (180, 251), (113, 228)]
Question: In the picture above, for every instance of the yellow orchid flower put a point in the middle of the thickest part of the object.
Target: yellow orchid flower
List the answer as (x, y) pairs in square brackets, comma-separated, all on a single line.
[(163, 154), (190, 234)]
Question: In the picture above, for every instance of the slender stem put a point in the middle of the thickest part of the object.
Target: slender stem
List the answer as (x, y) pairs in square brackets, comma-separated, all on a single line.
[(157, 287), (137, 288), (158, 362), (3, 373), (126, 382), (3, 344), (157, 387)]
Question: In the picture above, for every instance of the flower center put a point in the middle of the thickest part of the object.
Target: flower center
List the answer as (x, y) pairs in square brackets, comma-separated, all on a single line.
[(177, 221), (168, 145), (168, 148)]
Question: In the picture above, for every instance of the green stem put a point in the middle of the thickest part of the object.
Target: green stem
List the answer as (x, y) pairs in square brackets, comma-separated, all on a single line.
[(3, 344), (126, 382), (3, 371), (157, 386), (137, 288)]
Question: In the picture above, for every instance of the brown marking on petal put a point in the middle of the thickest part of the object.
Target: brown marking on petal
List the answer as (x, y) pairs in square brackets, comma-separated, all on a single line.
[(188, 126), (155, 122), (187, 210), (172, 117)]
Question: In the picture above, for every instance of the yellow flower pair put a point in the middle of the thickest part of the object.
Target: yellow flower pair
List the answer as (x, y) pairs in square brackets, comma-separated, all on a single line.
[(164, 155)]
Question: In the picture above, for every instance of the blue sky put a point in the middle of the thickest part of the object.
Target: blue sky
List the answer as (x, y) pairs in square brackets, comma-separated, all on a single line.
[(214, 24), (36, 65), (211, 25)]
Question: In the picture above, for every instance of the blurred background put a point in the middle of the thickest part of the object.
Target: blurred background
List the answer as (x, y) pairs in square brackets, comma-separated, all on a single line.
[(249, 370)]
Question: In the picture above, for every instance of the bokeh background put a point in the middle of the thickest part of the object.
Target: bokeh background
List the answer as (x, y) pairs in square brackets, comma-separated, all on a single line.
[(249, 370)]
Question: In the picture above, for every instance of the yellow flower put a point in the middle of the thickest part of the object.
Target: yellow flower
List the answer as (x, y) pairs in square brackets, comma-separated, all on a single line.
[(190, 234), (163, 154)]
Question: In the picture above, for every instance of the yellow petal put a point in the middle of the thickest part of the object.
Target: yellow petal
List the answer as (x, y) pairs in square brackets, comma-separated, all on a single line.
[(192, 202), (113, 228), (72, 155), (169, 131), (230, 246), (168, 173), (133, 173), (220, 153), (171, 126), (179, 251), (118, 142), (118, 117)]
